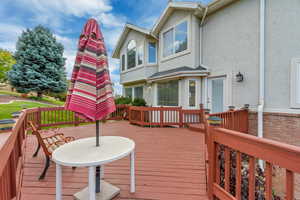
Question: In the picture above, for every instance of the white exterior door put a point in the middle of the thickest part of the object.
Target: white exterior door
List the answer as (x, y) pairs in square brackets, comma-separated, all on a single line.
[(216, 94)]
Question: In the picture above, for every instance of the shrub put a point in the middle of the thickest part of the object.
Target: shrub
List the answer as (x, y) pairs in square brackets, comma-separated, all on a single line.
[(62, 96), (139, 102), (123, 100)]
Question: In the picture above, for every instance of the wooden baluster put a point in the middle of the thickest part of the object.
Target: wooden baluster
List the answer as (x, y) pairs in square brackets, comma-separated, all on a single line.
[(238, 185), (227, 169), (251, 177), (161, 117), (268, 183), (217, 164), (142, 118), (289, 185)]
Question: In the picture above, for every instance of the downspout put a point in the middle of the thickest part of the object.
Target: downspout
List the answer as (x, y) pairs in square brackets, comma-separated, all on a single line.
[(261, 69), (205, 81)]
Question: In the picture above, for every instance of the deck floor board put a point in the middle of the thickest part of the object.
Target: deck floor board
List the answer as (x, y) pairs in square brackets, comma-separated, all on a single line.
[(169, 165)]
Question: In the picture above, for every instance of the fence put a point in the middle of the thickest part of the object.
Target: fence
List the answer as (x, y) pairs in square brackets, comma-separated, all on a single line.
[(228, 143), (164, 116)]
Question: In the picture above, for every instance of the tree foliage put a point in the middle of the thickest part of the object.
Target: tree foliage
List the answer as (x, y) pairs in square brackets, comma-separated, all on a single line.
[(6, 62), (40, 63)]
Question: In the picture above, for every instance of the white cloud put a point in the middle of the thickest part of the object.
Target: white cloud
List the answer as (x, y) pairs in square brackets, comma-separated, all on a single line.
[(9, 34), (78, 8)]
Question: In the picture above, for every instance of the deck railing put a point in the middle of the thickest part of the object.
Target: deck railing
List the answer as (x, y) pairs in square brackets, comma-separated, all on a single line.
[(236, 120), (272, 152), (164, 116), (11, 161)]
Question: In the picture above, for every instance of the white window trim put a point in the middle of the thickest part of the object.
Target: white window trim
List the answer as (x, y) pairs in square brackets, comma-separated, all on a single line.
[(188, 20), (295, 81), (156, 53), (121, 62), (137, 55), (196, 92)]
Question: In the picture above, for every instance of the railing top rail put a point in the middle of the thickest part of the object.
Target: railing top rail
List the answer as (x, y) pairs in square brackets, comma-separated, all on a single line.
[(143, 108), (277, 153), (226, 112)]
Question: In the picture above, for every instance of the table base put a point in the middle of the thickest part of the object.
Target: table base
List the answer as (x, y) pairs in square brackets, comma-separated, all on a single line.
[(108, 192)]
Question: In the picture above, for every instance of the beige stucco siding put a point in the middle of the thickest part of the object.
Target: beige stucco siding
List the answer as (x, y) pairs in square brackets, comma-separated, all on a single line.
[(282, 44), (231, 44)]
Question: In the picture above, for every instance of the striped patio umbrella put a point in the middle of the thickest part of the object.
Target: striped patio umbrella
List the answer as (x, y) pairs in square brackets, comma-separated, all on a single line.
[(90, 93)]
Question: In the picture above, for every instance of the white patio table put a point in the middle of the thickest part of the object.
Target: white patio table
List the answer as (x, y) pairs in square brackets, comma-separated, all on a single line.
[(84, 153)]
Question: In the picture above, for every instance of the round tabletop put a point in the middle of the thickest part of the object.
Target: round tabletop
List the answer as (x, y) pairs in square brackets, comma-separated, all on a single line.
[(84, 153)]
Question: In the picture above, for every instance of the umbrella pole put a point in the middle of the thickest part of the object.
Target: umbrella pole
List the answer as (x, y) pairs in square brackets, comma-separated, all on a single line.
[(97, 132), (98, 173)]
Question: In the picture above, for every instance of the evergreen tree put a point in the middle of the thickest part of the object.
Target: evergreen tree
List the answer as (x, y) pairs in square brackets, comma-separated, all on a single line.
[(40, 63)]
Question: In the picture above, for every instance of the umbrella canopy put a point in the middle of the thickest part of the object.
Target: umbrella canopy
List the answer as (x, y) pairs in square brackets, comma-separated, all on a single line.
[(90, 93)]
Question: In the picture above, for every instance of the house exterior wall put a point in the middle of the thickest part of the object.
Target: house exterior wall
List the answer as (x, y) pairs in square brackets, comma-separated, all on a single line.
[(188, 58), (231, 44), (282, 44), (140, 72)]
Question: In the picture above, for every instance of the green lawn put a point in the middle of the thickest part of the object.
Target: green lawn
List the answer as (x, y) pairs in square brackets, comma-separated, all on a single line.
[(45, 99), (7, 109)]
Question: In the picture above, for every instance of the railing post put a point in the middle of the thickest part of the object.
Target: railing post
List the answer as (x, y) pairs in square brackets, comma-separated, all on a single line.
[(161, 116), (246, 119), (212, 155), (129, 113), (232, 124), (39, 118), (180, 118), (143, 117)]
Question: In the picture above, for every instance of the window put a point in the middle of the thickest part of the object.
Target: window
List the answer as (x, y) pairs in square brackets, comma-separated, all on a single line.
[(180, 37), (167, 93), (123, 62), (175, 40), (151, 52), (128, 92), (138, 92), (140, 55), (168, 43), (131, 54), (192, 93), (295, 83)]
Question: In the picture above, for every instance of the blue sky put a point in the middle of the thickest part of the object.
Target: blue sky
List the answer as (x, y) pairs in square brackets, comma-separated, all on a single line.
[(66, 18)]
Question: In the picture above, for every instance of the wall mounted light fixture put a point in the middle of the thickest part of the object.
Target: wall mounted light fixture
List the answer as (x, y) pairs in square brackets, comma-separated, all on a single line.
[(239, 77)]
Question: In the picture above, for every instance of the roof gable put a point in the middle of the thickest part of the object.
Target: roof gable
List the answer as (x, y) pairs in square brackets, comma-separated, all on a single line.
[(127, 28)]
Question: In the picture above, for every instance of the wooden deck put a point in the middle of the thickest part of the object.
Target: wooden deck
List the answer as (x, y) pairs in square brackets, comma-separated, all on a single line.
[(169, 165)]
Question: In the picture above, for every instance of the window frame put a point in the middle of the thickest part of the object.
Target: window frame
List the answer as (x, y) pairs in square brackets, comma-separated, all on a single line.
[(134, 92), (178, 93), (148, 45), (295, 81), (196, 93), (163, 58), (139, 47), (123, 62), (135, 58)]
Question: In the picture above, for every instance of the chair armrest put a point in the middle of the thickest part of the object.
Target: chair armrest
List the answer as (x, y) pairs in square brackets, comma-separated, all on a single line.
[(69, 139)]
